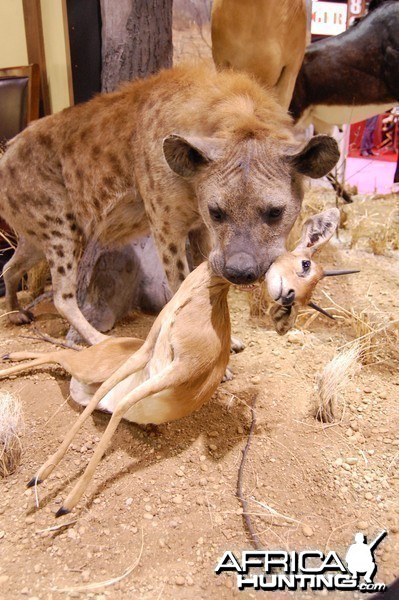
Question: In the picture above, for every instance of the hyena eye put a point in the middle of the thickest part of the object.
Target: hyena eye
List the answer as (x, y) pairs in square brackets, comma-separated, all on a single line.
[(273, 214), (217, 215), (306, 265)]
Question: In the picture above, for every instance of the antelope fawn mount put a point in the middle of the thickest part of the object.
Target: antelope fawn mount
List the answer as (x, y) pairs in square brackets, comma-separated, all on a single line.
[(181, 363), (188, 150)]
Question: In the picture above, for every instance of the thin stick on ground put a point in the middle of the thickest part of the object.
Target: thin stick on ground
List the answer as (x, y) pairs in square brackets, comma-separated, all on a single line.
[(45, 296), (40, 336), (245, 513), (57, 527), (274, 512), (107, 582)]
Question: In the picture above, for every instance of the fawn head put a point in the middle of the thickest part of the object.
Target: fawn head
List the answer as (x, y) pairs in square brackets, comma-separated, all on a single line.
[(293, 276)]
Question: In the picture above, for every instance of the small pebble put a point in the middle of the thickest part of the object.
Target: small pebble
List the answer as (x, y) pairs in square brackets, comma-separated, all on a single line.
[(86, 576), (307, 530)]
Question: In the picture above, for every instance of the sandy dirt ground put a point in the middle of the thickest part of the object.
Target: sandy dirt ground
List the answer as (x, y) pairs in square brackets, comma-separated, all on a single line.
[(163, 503)]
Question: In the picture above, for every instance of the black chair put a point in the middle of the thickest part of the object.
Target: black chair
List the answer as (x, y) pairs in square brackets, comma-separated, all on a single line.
[(19, 99), (19, 105)]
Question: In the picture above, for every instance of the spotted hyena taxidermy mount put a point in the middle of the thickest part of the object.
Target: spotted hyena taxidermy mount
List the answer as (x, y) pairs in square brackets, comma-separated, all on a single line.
[(185, 151)]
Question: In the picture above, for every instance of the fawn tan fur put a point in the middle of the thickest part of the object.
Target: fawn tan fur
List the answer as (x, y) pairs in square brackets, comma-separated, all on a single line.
[(186, 150), (174, 372), (90, 366), (266, 39)]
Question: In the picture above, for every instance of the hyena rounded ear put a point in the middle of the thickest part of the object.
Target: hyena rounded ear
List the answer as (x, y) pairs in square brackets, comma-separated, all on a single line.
[(185, 155), (283, 317), (317, 158), (317, 230)]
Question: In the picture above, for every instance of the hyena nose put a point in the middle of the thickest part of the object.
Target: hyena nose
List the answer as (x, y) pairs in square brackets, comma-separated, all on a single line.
[(289, 298), (241, 269)]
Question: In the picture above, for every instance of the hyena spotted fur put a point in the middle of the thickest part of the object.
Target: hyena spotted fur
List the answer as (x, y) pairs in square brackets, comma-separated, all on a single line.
[(186, 151)]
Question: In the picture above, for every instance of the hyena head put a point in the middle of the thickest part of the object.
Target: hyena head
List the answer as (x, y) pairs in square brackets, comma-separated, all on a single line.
[(249, 194)]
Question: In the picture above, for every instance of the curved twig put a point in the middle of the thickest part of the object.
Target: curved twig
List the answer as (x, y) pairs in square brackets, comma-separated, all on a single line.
[(245, 514)]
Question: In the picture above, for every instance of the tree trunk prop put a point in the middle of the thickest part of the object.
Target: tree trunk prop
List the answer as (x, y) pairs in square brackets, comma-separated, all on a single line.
[(136, 42)]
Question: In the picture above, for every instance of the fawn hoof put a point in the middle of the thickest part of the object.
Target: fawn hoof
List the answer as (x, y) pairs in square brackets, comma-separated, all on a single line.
[(33, 482), (62, 511), (6, 356), (236, 345), (22, 317)]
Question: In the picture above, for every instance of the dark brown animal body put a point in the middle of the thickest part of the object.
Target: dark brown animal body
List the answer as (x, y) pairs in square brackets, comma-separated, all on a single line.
[(351, 76), (185, 150)]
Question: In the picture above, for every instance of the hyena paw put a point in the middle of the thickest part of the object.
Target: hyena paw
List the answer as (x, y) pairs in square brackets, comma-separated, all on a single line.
[(236, 345), (22, 317), (228, 375)]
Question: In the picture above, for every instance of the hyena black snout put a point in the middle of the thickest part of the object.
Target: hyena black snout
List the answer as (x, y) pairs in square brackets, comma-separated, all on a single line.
[(241, 268)]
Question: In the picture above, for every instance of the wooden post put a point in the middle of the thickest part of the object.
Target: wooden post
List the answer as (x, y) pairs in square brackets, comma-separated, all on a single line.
[(35, 47)]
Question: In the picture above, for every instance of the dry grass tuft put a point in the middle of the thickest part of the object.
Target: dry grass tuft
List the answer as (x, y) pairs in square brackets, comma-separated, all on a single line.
[(315, 201), (333, 379), (375, 332), (259, 303), (372, 227), (38, 277), (11, 425)]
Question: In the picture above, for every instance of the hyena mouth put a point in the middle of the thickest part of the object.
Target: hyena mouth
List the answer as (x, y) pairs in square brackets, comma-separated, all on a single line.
[(246, 288)]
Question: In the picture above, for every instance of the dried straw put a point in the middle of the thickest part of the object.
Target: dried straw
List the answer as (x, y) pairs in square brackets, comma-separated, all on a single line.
[(334, 378), (11, 426)]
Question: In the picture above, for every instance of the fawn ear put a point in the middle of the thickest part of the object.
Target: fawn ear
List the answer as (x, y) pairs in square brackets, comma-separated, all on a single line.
[(283, 317), (185, 155), (317, 158), (319, 229)]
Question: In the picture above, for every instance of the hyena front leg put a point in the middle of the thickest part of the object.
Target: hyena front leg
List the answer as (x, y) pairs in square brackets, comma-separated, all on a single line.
[(62, 255), (174, 258), (170, 242)]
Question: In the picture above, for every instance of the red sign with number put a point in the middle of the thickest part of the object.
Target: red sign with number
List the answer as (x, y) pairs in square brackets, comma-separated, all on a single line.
[(356, 8)]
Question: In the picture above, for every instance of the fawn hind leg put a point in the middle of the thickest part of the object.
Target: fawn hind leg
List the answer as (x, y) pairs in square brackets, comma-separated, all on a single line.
[(151, 386), (134, 363), (24, 258)]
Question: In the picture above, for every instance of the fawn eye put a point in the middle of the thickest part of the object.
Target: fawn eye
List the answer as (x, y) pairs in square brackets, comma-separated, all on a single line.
[(217, 215), (306, 265)]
